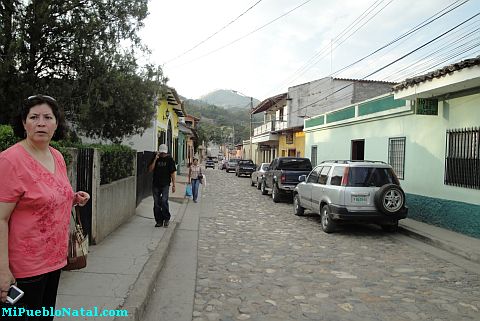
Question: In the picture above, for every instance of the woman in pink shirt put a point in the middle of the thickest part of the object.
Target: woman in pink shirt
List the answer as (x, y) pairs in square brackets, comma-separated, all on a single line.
[(35, 203)]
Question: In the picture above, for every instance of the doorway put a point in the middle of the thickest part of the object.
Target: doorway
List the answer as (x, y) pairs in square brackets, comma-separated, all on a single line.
[(358, 149)]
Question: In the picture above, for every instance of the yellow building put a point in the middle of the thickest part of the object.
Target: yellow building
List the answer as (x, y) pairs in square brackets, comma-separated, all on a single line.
[(169, 113)]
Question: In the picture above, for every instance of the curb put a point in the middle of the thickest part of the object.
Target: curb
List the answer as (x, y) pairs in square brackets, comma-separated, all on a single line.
[(137, 298), (436, 242)]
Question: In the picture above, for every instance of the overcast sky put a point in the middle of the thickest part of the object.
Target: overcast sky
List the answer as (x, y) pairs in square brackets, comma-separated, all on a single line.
[(302, 46)]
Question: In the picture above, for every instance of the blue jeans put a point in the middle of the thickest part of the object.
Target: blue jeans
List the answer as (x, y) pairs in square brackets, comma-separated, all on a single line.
[(195, 186), (160, 203)]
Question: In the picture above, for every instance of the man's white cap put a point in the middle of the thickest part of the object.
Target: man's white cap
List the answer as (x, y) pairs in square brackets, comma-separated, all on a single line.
[(163, 148)]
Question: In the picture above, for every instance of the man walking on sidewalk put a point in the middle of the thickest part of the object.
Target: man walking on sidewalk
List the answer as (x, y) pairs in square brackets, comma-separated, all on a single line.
[(164, 168)]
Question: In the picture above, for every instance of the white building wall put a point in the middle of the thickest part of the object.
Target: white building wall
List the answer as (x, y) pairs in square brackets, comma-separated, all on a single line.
[(424, 149)]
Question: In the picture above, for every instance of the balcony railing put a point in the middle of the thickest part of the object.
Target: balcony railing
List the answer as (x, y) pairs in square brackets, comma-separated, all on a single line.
[(271, 126)]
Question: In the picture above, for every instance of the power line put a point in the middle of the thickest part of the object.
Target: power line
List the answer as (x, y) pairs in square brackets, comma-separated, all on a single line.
[(442, 44), (215, 33), (406, 35), (391, 63), (320, 54), (246, 35)]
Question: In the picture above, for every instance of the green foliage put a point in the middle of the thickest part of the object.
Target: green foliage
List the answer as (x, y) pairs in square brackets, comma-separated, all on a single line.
[(116, 162), (121, 104), (67, 156), (7, 138), (225, 126), (76, 51)]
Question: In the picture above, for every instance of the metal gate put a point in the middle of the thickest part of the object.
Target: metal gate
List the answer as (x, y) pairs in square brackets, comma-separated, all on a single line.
[(144, 178), (85, 183)]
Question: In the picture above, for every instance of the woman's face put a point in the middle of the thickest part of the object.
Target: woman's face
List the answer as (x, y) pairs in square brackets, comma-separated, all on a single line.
[(40, 124), (195, 162)]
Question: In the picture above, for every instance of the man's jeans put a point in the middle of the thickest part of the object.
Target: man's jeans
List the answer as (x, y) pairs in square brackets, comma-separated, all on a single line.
[(160, 201)]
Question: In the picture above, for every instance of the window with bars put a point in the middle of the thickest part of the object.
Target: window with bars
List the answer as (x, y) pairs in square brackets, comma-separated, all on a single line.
[(396, 155), (313, 156), (462, 158)]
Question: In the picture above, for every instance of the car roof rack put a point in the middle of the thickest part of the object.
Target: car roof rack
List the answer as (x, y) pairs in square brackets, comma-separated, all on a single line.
[(348, 161)]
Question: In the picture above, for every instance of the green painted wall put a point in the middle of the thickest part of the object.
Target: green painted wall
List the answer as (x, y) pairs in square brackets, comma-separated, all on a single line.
[(181, 156), (379, 105), (424, 150), (315, 122), (342, 114), (457, 216)]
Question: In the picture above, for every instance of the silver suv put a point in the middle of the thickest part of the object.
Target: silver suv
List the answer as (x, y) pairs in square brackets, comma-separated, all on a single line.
[(344, 190)]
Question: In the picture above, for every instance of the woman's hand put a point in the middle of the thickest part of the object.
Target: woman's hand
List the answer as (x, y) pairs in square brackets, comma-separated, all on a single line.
[(81, 198), (6, 279)]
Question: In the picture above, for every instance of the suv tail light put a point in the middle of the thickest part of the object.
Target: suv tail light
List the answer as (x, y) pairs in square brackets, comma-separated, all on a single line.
[(345, 176), (283, 178)]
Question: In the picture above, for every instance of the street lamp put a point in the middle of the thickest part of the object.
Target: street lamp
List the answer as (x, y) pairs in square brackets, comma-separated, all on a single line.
[(251, 122)]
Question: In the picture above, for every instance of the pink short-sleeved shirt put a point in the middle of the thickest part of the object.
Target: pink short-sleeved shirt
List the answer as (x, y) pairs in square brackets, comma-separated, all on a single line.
[(38, 226)]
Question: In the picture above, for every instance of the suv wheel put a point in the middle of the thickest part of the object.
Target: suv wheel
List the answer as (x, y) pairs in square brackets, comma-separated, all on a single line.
[(328, 225), (275, 194), (259, 184), (297, 208), (264, 188), (389, 199)]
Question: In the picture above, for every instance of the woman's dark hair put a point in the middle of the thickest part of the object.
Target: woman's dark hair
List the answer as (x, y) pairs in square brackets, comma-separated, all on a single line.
[(33, 101)]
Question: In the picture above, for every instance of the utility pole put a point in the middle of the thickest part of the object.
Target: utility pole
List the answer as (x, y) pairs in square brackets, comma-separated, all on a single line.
[(251, 120), (251, 132)]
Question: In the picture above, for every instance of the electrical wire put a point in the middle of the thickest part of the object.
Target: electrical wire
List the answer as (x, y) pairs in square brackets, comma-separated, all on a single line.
[(324, 51), (215, 33), (456, 4), (246, 35), (389, 64), (444, 43)]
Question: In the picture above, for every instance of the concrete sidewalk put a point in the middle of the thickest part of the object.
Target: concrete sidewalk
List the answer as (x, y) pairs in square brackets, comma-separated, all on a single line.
[(121, 268), (455, 243)]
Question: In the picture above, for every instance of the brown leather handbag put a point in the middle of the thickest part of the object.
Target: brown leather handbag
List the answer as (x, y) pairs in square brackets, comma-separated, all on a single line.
[(77, 244)]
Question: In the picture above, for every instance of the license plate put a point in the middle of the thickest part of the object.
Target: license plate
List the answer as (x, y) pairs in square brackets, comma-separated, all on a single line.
[(359, 199)]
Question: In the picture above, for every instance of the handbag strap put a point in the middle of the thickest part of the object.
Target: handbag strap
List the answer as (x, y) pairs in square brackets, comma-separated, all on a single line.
[(76, 215)]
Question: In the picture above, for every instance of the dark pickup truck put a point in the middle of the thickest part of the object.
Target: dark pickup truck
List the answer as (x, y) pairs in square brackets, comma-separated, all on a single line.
[(282, 176)]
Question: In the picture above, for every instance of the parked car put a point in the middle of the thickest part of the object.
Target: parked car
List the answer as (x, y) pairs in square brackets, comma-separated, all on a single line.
[(257, 176), (245, 167), (209, 163), (343, 191), (231, 164), (282, 176)]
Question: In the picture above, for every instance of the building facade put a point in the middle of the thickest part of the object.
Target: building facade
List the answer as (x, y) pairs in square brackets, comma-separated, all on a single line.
[(428, 130)]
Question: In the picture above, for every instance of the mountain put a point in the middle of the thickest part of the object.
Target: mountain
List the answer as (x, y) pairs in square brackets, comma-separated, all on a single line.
[(228, 99)]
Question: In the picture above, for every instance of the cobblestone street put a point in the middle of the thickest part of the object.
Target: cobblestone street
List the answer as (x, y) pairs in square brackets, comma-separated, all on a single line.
[(258, 261)]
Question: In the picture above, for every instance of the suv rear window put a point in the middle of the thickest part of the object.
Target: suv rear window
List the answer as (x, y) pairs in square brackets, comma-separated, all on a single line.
[(245, 162), (370, 176), (295, 164)]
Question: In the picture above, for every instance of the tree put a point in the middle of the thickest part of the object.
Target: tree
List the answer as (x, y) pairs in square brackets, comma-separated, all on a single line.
[(123, 98), (81, 52)]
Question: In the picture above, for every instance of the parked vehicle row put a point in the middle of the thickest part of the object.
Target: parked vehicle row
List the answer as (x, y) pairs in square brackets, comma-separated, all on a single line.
[(283, 175), (339, 191)]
